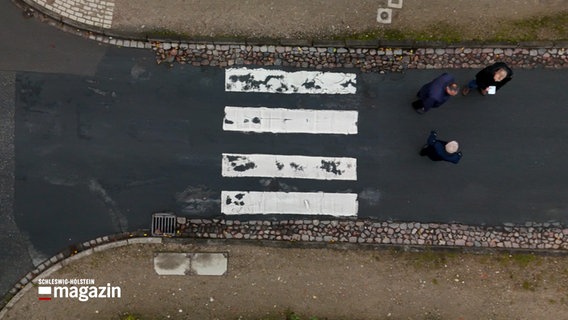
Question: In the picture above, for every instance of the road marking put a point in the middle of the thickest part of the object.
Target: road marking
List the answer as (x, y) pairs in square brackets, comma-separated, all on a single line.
[(278, 81), (280, 120), (285, 166), (310, 203)]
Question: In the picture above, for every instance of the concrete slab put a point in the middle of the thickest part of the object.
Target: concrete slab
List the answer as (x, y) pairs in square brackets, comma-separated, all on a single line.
[(395, 4), (170, 263), (145, 240), (384, 15), (209, 264), (111, 245)]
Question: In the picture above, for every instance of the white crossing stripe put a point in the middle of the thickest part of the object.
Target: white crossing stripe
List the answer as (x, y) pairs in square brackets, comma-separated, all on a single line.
[(278, 81), (285, 166), (309, 203), (280, 120)]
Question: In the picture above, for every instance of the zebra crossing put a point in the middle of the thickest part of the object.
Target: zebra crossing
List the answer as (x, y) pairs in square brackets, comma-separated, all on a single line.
[(281, 120), (289, 120)]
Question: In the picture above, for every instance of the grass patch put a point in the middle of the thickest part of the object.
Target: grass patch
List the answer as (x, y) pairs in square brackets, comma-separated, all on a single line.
[(165, 34), (431, 259), (435, 32), (522, 260), (129, 316), (556, 24), (527, 285), (290, 315), (552, 27)]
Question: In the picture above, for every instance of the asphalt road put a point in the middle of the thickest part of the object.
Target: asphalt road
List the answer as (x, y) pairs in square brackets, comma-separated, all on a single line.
[(28, 46), (99, 154), (104, 137)]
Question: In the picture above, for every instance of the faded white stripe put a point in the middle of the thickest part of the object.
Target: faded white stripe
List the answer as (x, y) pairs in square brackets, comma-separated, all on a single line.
[(285, 166), (309, 203), (280, 120), (278, 81)]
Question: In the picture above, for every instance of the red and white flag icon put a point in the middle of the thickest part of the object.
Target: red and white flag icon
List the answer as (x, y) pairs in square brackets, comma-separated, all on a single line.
[(44, 291)]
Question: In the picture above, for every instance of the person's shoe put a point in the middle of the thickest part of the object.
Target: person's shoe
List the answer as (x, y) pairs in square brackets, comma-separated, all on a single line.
[(423, 150), (420, 110), (465, 91)]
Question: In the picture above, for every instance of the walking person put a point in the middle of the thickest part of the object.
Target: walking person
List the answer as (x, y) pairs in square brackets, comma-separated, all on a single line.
[(439, 150), (490, 79), (435, 93)]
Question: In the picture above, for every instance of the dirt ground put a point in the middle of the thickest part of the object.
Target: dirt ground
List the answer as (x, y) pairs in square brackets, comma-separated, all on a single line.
[(463, 19), (338, 282)]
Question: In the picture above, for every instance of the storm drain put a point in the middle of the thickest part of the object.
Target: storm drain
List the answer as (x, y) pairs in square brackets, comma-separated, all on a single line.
[(163, 224)]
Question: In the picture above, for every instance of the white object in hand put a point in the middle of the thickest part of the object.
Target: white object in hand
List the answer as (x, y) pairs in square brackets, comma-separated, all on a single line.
[(491, 89)]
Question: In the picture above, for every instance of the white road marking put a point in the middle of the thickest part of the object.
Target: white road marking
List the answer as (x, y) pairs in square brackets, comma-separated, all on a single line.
[(280, 120), (309, 203), (285, 166), (278, 81)]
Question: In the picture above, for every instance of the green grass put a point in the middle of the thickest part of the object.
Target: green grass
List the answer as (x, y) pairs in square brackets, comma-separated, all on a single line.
[(527, 285), (557, 24), (165, 34), (522, 260), (130, 317), (553, 27), (286, 315), (431, 259)]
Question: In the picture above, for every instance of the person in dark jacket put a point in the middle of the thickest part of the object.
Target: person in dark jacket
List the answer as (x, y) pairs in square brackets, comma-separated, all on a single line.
[(435, 93), (438, 150), (495, 75)]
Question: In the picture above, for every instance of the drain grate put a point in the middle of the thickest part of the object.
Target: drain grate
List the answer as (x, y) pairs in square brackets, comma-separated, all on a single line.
[(163, 224)]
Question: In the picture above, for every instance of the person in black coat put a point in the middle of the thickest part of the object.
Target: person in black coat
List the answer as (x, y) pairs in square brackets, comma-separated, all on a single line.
[(495, 75), (438, 150)]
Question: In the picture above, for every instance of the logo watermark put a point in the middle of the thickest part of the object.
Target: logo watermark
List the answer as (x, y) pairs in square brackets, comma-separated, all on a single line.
[(79, 289)]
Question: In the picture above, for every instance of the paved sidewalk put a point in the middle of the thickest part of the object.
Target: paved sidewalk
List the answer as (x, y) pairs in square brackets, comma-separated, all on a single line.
[(269, 280), (294, 19)]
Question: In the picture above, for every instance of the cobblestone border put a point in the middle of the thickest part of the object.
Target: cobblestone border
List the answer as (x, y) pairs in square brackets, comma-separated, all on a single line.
[(376, 59), (550, 236)]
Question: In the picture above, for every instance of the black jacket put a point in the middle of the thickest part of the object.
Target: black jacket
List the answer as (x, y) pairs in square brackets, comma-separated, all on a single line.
[(484, 78), (436, 150)]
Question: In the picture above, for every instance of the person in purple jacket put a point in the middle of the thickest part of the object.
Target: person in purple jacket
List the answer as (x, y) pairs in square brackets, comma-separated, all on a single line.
[(438, 150), (435, 93)]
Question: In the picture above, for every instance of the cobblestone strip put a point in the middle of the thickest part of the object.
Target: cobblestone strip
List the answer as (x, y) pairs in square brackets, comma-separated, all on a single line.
[(365, 59), (527, 236), (95, 13)]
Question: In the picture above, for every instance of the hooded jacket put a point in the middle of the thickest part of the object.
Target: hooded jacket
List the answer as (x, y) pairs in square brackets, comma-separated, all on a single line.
[(484, 78)]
